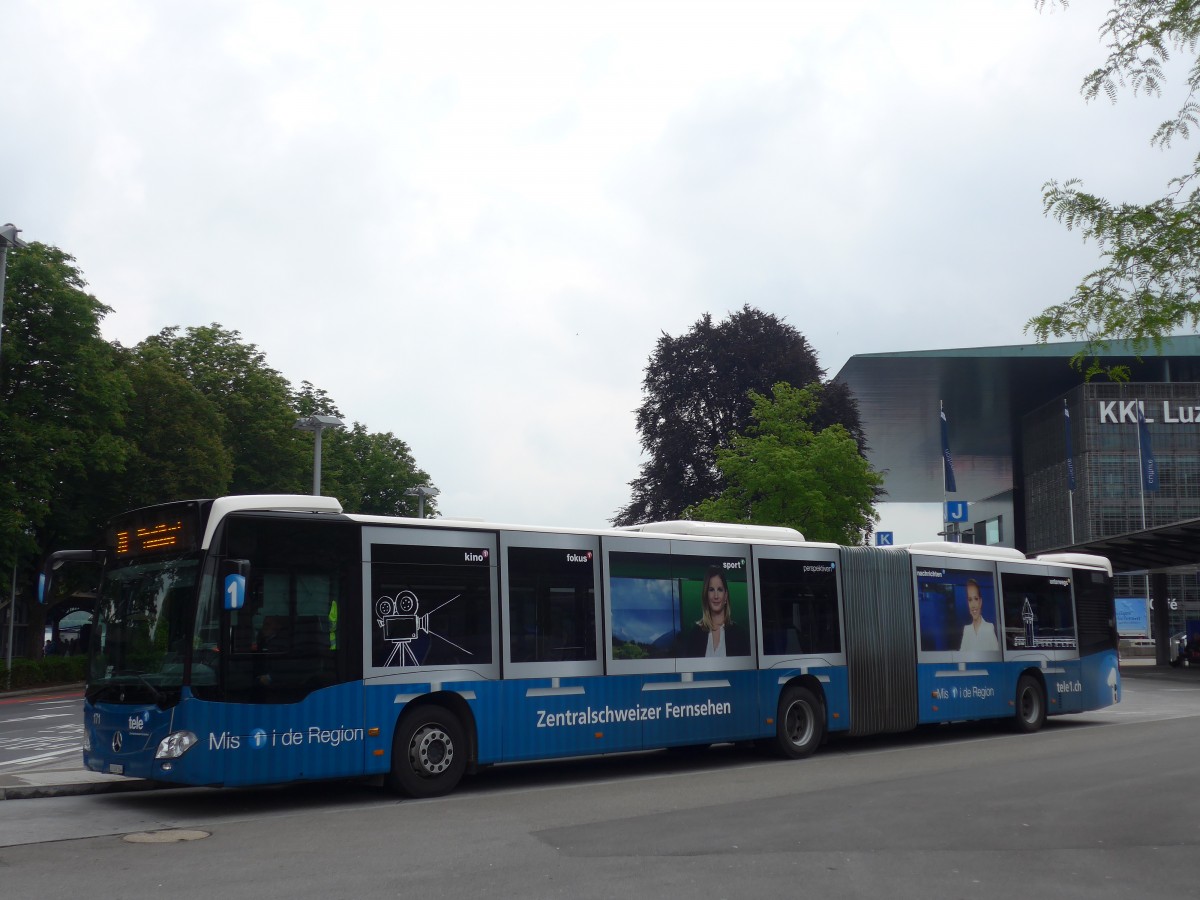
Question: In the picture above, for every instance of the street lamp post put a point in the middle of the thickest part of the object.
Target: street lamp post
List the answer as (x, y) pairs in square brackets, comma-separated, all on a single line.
[(317, 424), (421, 491)]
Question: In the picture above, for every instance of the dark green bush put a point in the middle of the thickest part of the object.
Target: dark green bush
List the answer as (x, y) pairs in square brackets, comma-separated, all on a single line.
[(48, 672)]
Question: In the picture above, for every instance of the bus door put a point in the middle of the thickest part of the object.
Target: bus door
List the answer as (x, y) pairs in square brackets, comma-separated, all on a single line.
[(553, 677), (960, 672), (290, 671), (695, 683), (1039, 630)]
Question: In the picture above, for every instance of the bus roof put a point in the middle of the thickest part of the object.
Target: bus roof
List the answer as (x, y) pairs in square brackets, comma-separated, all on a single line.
[(719, 529), (223, 506)]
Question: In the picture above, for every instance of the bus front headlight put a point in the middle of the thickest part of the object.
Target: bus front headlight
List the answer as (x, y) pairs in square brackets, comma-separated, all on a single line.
[(174, 745)]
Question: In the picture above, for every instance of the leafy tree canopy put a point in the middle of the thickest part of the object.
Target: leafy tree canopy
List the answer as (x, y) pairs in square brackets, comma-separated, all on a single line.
[(1148, 285), (697, 394), (88, 428), (62, 405), (782, 471), (371, 472), (176, 436), (253, 400)]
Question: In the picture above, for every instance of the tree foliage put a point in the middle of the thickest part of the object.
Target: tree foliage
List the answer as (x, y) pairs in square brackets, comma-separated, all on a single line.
[(370, 473), (62, 405), (89, 429), (782, 471), (1148, 285), (697, 395), (254, 402), (176, 436)]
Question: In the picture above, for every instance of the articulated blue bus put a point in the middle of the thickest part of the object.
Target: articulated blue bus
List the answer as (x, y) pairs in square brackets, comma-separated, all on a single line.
[(266, 639)]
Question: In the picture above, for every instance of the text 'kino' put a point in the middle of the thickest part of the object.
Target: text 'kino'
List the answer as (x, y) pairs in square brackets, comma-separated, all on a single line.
[(1119, 411)]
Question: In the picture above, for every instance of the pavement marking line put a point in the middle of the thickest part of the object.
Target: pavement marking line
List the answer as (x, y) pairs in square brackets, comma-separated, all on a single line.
[(45, 757)]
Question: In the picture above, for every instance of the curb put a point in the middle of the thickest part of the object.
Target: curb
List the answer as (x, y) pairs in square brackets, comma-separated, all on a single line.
[(77, 789), (44, 689)]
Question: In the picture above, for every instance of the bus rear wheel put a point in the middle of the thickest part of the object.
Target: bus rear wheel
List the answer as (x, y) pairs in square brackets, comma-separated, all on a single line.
[(429, 753), (800, 724), (1031, 705)]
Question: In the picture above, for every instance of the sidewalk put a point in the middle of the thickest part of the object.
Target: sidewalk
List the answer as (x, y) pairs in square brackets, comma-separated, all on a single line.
[(67, 783), (70, 781)]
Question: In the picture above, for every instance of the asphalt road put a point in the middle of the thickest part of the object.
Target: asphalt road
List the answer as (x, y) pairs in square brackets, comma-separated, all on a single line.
[(1094, 806), (39, 731)]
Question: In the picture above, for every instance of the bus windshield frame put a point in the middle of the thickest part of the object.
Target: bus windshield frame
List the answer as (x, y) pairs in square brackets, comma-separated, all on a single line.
[(142, 627)]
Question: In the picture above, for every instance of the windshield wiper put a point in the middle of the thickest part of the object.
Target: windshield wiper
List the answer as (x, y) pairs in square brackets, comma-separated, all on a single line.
[(158, 695)]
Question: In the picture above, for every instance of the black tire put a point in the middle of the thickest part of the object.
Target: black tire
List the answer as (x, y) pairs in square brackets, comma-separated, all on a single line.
[(800, 723), (429, 753), (1031, 705)]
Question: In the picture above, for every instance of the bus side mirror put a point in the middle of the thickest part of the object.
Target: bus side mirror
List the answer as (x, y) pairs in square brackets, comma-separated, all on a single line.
[(234, 573), (57, 560)]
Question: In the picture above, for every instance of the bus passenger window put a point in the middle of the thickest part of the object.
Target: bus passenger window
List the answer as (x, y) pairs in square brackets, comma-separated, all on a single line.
[(432, 605), (552, 605), (799, 607)]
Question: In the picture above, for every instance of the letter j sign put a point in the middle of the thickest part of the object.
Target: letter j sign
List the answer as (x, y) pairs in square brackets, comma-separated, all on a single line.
[(956, 511)]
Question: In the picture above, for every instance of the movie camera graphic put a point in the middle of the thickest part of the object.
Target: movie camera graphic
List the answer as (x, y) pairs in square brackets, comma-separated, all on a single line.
[(402, 624)]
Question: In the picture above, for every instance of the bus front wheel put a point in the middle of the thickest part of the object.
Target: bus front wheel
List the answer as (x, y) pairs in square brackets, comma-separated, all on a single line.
[(800, 725), (1031, 705), (429, 753)]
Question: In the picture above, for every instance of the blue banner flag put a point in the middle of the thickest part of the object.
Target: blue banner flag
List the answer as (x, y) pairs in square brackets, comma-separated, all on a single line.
[(1070, 452), (947, 459), (1146, 452)]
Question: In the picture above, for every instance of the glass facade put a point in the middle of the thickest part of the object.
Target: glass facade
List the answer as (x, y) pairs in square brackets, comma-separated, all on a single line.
[(1109, 452)]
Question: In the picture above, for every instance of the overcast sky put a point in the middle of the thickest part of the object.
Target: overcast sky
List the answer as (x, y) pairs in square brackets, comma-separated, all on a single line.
[(469, 222)]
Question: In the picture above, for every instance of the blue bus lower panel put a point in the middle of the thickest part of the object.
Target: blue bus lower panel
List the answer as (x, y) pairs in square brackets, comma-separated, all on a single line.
[(544, 718), (949, 692), (833, 683), (347, 730), (1101, 676), (322, 736)]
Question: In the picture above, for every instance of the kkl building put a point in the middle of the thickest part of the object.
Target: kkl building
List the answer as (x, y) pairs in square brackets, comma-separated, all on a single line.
[(1047, 461)]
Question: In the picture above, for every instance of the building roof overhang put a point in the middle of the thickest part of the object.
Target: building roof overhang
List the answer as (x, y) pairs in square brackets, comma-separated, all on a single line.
[(1168, 548)]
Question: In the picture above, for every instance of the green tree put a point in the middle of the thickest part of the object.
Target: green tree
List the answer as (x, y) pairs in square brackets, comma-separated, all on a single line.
[(697, 394), (175, 432), (313, 401), (255, 403), (370, 472), (1148, 285), (62, 402), (783, 472)]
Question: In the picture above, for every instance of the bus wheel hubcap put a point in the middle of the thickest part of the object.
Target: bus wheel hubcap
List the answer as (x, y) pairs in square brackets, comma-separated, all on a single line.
[(431, 751), (799, 724)]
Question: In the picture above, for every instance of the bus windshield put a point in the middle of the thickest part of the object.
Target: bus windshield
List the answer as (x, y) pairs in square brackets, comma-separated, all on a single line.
[(141, 630)]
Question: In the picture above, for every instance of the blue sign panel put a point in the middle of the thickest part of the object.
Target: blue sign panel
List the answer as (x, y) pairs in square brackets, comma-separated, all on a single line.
[(235, 591), (1133, 616), (884, 538), (956, 511)]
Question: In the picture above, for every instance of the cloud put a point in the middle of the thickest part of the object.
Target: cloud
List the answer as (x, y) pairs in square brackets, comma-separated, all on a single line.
[(470, 222)]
